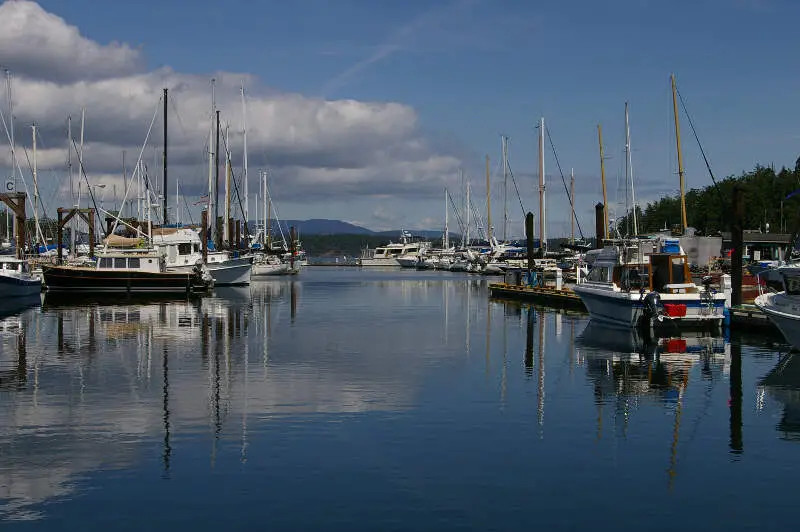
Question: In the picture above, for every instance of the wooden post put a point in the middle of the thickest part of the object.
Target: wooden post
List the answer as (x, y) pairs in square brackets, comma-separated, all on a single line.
[(529, 239), (16, 201), (737, 240), (238, 244), (91, 233), (204, 234), (292, 246), (230, 234), (600, 227), (60, 236)]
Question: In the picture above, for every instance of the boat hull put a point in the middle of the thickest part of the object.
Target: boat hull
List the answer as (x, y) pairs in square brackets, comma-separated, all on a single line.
[(94, 281), (19, 286), (270, 270), (232, 272), (378, 262), (628, 309), (786, 317)]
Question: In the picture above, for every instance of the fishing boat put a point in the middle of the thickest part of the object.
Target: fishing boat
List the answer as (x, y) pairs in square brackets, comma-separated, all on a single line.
[(130, 272), (647, 282), (16, 279), (783, 308)]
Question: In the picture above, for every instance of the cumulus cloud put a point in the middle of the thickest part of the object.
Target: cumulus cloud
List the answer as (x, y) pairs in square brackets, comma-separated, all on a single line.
[(36, 43), (315, 149)]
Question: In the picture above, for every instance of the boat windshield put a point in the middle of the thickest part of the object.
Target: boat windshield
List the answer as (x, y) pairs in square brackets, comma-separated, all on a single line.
[(792, 285)]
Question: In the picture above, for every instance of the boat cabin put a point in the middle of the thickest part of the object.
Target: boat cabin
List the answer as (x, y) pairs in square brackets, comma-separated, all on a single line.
[(140, 262), (13, 264)]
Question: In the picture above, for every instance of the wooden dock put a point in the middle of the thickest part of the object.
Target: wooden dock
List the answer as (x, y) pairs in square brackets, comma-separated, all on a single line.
[(749, 316), (563, 298)]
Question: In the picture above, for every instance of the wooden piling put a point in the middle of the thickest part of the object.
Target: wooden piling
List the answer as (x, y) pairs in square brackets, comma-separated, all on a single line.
[(529, 239), (737, 238), (599, 224), (204, 234)]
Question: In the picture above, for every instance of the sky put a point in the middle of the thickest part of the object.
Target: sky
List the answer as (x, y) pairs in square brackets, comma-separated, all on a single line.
[(366, 111)]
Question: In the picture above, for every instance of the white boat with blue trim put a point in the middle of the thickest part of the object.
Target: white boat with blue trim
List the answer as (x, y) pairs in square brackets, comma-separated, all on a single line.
[(16, 279), (647, 282)]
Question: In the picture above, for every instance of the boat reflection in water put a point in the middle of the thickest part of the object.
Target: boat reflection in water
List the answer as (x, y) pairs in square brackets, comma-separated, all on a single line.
[(627, 369), (782, 383)]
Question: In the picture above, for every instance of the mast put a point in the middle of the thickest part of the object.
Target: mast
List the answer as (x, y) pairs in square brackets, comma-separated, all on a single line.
[(226, 223), (542, 206), (166, 220), (246, 213), (603, 180), (629, 169), (268, 210), (13, 147), (446, 239), (35, 176), (572, 201), (504, 147), (73, 224), (467, 215), (177, 203), (680, 156), (488, 206), (216, 184)]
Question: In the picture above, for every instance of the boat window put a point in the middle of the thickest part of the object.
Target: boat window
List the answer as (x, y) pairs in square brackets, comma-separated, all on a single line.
[(106, 262), (678, 270), (184, 249), (133, 262), (792, 285), (119, 262), (598, 274)]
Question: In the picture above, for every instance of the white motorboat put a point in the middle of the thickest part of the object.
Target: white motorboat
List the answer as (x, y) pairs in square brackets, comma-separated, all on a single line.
[(16, 279), (783, 308), (389, 254), (647, 282)]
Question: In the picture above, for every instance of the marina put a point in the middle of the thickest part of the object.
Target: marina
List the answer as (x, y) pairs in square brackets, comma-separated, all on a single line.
[(203, 396)]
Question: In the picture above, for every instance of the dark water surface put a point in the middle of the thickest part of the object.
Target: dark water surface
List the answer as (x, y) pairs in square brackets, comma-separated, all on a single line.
[(345, 399)]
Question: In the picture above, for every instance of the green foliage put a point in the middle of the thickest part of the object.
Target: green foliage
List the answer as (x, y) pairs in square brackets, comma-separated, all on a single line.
[(709, 209), (339, 245)]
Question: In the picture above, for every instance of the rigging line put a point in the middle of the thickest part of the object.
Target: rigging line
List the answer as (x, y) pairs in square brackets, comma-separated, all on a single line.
[(188, 210), (519, 198), (178, 115), (702, 151), (37, 193), (457, 212), (566, 189), (88, 185), (236, 188)]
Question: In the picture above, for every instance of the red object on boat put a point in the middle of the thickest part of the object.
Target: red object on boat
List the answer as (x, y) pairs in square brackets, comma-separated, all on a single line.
[(675, 310), (675, 345)]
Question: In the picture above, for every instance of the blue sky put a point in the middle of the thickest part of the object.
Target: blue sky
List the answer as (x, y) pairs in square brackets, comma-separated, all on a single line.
[(475, 69)]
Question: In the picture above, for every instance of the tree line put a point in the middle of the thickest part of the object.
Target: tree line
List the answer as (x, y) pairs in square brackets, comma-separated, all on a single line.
[(768, 200)]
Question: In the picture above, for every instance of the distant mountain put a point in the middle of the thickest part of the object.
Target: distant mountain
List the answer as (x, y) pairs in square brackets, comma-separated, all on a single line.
[(318, 226)]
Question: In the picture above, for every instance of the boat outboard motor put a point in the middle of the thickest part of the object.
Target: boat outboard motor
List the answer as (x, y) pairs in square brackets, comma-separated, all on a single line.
[(653, 309), (707, 282)]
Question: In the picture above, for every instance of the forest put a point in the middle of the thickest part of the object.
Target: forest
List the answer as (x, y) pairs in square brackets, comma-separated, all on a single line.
[(768, 198)]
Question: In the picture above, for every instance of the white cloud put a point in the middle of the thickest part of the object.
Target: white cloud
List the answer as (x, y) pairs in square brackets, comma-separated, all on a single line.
[(317, 150), (37, 43)]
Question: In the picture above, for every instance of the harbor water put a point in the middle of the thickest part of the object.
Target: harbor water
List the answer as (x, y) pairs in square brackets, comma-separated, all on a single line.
[(355, 399)]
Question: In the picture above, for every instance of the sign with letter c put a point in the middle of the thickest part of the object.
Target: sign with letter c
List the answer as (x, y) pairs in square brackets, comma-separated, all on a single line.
[(9, 186)]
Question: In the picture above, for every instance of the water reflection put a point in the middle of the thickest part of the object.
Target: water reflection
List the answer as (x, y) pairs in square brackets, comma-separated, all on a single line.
[(397, 385)]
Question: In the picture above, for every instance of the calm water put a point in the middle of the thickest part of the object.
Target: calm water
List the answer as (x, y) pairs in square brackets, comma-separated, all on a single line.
[(366, 400)]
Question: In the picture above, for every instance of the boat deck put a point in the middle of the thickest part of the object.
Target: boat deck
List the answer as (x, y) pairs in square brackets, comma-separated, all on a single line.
[(564, 297)]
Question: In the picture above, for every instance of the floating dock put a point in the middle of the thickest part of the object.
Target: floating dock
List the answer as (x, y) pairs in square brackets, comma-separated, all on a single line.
[(749, 316), (564, 297)]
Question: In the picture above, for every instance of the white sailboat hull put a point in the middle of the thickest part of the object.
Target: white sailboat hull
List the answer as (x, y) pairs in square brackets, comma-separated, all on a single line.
[(265, 269), (387, 261), (231, 272)]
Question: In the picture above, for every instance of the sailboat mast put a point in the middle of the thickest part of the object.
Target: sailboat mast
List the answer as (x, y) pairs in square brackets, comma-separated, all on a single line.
[(226, 222), (603, 180), (216, 183), (504, 147), (268, 210), (680, 155), (488, 205), (246, 213), (35, 177), (542, 206), (629, 169), (572, 201), (467, 216), (166, 99), (13, 150), (446, 239)]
